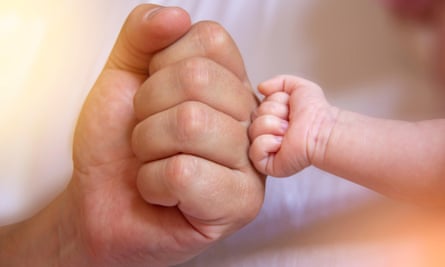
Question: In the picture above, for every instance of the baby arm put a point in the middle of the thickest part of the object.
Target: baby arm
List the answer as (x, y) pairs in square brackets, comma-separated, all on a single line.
[(404, 160)]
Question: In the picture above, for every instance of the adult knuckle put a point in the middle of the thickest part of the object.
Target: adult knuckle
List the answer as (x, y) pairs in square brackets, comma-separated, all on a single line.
[(191, 121), (194, 76), (179, 172), (212, 37)]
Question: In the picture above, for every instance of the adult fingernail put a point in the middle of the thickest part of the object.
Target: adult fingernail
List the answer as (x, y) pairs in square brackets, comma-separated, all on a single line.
[(152, 12)]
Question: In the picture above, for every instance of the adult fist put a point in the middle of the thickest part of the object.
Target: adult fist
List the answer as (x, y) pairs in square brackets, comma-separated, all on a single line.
[(149, 188)]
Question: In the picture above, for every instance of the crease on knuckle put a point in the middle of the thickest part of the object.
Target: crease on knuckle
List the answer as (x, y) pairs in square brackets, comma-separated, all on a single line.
[(194, 77), (212, 37), (191, 121), (179, 172)]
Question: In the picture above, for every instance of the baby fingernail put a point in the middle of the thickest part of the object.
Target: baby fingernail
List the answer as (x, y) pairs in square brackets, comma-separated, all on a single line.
[(284, 125)]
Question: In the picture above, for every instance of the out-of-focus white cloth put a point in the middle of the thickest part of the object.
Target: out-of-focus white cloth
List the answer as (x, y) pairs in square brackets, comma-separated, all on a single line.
[(363, 59)]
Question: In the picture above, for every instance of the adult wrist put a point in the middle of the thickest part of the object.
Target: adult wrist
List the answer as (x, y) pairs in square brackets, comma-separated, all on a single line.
[(50, 238)]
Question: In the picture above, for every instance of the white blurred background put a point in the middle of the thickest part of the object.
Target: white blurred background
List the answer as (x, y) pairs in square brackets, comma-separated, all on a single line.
[(52, 51), (50, 54)]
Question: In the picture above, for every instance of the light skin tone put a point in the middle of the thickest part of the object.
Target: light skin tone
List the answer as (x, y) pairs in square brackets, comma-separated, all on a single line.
[(295, 127), (148, 186)]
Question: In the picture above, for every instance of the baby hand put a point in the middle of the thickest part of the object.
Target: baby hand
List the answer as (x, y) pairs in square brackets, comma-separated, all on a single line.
[(290, 127)]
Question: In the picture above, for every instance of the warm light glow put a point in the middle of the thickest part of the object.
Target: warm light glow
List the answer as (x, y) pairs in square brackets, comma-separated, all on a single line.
[(23, 29), (20, 38), (51, 51)]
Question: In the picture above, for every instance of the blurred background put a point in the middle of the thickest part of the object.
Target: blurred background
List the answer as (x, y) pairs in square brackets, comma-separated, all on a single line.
[(50, 55), (366, 60)]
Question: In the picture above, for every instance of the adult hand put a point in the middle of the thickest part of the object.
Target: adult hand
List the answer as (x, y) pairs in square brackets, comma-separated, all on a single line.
[(157, 182)]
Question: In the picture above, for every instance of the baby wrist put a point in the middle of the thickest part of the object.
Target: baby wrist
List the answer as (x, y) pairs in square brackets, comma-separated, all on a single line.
[(320, 134)]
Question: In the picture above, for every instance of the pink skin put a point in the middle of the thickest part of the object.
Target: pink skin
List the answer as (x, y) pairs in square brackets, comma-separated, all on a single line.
[(295, 127), (294, 107), (286, 125), (148, 186)]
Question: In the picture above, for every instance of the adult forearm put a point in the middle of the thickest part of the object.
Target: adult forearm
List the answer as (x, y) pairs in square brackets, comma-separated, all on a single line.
[(47, 239), (399, 159)]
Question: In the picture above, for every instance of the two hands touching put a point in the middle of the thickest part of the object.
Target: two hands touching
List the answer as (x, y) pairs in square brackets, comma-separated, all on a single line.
[(161, 150), (149, 182), (161, 169)]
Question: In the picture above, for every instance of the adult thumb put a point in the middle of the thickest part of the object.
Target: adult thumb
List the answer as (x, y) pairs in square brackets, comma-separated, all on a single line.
[(148, 29), (107, 116)]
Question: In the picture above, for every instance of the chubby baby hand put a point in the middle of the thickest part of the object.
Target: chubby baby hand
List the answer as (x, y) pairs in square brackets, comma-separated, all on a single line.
[(290, 127)]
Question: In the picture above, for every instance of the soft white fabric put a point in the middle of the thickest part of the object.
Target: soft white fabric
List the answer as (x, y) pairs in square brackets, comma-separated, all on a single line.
[(363, 59)]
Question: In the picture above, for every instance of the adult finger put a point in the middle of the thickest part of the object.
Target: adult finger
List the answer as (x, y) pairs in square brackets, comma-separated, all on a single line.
[(197, 79), (205, 39), (192, 128), (147, 29), (208, 194)]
